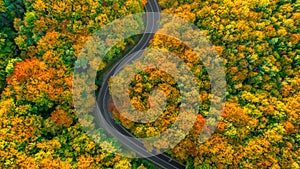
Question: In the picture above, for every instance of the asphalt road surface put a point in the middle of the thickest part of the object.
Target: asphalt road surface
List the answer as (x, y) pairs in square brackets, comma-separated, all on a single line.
[(105, 118)]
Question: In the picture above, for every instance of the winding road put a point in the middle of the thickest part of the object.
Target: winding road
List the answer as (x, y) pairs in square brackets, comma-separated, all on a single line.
[(105, 118)]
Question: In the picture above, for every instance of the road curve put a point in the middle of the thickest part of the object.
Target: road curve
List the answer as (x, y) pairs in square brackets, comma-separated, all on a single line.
[(105, 118)]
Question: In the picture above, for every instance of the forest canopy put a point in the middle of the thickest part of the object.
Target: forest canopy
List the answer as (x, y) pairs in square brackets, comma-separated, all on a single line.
[(258, 41)]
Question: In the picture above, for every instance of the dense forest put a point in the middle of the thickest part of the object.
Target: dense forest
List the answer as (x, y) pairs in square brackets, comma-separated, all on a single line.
[(258, 41)]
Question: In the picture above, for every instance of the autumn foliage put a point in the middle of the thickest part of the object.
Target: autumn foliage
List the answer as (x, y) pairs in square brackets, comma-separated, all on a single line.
[(259, 44), (258, 41), (39, 45)]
